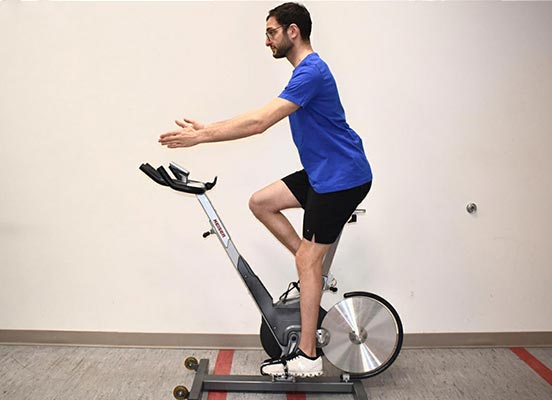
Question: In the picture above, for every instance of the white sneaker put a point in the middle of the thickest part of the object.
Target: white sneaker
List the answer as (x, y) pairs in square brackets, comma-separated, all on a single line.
[(296, 364)]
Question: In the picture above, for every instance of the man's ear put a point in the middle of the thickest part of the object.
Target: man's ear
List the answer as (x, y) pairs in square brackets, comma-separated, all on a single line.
[(294, 31)]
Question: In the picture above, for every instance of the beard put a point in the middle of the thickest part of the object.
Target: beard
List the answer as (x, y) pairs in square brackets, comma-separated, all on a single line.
[(282, 50)]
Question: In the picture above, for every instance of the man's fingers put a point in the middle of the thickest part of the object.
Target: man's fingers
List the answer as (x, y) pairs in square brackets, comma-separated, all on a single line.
[(169, 136), (185, 123), (193, 123), (183, 137)]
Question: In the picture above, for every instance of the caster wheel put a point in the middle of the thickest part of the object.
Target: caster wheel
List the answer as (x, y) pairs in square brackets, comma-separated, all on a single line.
[(181, 393), (191, 363)]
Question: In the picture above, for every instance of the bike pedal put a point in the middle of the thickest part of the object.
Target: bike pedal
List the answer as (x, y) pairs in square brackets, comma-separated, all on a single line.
[(284, 378)]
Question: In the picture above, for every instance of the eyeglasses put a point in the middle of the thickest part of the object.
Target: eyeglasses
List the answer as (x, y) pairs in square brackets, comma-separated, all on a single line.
[(270, 33)]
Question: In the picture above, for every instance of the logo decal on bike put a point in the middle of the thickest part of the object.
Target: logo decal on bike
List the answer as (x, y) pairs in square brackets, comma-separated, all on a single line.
[(219, 228)]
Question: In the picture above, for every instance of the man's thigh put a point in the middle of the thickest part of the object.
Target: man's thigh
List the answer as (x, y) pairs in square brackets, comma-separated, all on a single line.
[(276, 197)]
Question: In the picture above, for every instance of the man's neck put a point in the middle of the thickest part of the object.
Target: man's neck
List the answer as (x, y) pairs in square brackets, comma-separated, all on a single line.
[(298, 54)]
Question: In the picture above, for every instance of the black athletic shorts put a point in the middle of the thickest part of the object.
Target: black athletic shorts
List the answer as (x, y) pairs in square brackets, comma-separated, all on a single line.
[(325, 213)]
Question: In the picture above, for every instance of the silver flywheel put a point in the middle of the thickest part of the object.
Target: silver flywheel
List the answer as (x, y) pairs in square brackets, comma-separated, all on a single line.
[(364, 334)]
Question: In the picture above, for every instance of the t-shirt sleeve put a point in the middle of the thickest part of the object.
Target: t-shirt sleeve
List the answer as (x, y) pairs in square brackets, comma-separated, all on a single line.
[(303, 86)]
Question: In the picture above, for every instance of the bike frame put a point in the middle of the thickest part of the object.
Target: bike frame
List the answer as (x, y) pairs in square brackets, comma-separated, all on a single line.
[(283, 318)]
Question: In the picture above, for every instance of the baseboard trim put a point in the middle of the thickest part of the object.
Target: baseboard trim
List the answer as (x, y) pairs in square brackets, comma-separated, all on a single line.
[(130, 339), (478, 339), (236, 341)]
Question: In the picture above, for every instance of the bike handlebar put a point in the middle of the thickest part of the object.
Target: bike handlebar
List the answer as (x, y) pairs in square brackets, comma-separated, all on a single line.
[(181, 183), (153, 174)]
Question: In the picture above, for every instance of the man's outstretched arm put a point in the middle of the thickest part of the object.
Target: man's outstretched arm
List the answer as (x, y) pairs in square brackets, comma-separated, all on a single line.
[(250, 123)]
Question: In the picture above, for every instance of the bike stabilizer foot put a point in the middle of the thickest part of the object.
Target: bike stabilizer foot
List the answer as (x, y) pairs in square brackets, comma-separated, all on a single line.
[(203, 382)]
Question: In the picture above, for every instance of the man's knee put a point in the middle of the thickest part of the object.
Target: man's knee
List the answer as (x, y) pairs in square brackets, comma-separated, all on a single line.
[(303, 259), (257, 204), (310, 255), (272, 199)]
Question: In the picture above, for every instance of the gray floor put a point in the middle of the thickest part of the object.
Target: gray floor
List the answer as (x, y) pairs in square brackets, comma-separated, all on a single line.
[(48, 373)]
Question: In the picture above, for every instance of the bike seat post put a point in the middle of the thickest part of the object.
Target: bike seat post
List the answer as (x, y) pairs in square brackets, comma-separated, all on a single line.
[(328, 259)]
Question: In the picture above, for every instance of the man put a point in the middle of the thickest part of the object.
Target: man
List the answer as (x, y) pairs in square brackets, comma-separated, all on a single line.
[(335, 179)]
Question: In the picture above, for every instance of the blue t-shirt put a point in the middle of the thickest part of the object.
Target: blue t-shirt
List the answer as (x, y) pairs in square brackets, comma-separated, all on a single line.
[(330, 151)]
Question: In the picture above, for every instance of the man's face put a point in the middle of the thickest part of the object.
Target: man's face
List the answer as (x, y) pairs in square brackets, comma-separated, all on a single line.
[(277, 38)]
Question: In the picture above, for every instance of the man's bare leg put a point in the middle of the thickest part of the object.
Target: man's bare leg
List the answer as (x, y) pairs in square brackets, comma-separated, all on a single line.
[(267, 205), (309, 258)]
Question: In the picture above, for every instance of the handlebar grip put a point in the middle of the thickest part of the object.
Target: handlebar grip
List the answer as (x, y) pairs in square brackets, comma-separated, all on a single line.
[(153, 174), (178, 173), (181, 187), (162, 177), (210, 185)]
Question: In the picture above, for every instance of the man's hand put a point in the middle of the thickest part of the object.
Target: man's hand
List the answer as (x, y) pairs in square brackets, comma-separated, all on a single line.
[(186, 136)]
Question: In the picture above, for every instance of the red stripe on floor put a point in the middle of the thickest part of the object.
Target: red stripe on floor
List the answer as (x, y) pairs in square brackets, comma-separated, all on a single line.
[(296, 396), (223, 365), (534, 363)]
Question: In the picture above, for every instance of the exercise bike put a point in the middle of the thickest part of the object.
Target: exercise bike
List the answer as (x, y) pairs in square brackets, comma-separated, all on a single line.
[(361, 335)]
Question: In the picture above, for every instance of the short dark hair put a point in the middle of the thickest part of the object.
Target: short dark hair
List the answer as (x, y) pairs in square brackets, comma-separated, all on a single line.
[(293, 13)]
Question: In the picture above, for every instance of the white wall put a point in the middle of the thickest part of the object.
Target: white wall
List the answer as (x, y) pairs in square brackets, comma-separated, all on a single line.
[(452, 100)]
